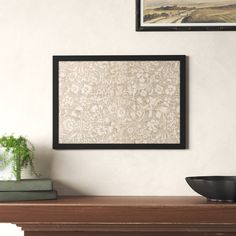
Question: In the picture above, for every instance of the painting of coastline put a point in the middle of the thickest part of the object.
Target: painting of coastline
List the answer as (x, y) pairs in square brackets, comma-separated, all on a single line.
[(184, 12)]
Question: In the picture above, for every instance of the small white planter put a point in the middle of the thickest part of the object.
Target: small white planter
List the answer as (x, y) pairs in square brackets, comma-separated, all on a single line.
[(7, 172)]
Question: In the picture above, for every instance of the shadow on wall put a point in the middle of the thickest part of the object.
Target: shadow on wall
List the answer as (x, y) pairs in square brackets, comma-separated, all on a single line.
[(44, 165), (43, 161), (64, 188)]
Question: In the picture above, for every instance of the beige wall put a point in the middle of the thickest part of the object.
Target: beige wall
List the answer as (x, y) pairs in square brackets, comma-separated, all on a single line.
[(31, 31)]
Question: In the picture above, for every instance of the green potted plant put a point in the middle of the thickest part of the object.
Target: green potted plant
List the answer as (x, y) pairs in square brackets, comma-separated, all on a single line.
[(17, 152)]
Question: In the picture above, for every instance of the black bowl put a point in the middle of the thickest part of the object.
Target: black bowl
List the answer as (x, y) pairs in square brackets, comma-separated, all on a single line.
[(214, 188)]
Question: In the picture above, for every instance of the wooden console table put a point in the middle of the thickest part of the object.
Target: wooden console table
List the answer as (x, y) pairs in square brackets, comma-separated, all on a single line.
[(122, 216)]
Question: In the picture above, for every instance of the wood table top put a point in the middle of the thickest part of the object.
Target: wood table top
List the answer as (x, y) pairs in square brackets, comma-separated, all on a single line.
[(120, 209)]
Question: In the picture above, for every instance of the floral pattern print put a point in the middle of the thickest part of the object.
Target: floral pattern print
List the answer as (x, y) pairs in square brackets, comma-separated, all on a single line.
[(119, 102)]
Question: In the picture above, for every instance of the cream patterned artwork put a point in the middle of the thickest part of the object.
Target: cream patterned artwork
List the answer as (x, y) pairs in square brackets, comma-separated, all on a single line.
[(119, 102)]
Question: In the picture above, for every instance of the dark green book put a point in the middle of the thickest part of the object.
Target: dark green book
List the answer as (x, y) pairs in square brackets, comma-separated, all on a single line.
[(26, 185), (27, 196)]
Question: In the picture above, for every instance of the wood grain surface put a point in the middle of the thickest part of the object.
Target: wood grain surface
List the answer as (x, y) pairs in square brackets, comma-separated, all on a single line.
[(95, 216)]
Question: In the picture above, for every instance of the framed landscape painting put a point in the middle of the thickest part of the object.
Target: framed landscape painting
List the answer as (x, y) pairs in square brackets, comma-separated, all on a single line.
[(119, 102), (184, 15)]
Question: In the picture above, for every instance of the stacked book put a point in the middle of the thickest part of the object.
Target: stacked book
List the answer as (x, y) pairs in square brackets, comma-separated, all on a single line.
[(27, 189)]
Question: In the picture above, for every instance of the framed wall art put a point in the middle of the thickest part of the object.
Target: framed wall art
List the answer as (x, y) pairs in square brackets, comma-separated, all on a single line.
[(119, 102), (185, 15)]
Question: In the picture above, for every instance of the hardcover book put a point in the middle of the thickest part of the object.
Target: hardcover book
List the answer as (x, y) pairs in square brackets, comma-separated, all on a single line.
[(26, 185), (27, 195)]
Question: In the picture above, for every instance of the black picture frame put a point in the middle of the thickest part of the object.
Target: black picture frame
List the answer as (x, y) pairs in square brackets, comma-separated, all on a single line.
[(180, 145), (205, 27)]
